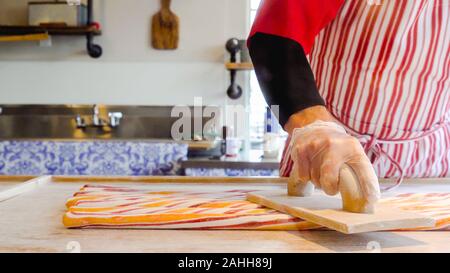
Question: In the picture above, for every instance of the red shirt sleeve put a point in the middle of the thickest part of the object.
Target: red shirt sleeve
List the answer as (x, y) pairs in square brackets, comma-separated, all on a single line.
[(299, 20)]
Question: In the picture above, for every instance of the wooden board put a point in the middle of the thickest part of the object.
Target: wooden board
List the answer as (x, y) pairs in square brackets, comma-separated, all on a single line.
[(24, 187), (172, 179), (9, 182), (327, 211), (201, 144), (165, 28), (239, 66), (25, 37), (50, 30)]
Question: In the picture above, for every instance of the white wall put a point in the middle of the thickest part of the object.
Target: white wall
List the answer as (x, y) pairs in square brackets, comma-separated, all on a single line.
[(130, 71)]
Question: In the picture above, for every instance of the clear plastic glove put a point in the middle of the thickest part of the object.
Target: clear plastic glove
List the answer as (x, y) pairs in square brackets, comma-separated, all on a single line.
[(319, 150)]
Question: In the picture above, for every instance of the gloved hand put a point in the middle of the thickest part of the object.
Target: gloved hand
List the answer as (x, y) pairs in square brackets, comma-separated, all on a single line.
[(320, 149)]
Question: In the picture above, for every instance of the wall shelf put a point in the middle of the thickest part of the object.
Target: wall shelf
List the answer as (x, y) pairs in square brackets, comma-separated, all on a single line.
[(26, 30), (239, 66), (14, 33)]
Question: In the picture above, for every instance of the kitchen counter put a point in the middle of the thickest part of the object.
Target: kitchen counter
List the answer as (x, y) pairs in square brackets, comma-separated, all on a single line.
[(31, 222), (8, 182), (245, 164), (252, 160)]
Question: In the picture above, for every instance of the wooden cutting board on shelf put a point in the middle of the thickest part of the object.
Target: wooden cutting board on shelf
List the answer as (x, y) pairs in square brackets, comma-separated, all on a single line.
[(327, 211), (24, 37), (165, 28)]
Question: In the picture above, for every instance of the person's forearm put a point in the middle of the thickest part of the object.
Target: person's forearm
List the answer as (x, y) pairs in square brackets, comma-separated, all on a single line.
[(284, 74), (286, 79), (307, 116)]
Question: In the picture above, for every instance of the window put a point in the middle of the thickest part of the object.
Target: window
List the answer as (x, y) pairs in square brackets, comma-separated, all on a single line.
[(257, 102), (254, 4)]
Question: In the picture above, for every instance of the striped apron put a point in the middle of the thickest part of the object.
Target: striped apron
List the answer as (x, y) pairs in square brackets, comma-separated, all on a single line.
[(383, 68)]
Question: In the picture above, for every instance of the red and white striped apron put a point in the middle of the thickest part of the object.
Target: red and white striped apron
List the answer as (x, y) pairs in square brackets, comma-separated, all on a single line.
[(383, 68)]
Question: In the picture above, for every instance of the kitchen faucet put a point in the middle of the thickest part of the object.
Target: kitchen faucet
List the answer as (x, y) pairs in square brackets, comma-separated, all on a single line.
[(97, 121)]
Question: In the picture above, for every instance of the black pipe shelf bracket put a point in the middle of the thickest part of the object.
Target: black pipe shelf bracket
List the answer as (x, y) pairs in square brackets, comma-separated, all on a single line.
[(234, 91), (94, 50)]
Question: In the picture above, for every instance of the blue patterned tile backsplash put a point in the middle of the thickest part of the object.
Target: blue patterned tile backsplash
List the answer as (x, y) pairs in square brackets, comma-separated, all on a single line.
[(91, 157)]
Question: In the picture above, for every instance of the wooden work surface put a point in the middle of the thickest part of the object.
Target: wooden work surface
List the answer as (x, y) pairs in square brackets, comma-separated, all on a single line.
[(31, 222), (7, 182)]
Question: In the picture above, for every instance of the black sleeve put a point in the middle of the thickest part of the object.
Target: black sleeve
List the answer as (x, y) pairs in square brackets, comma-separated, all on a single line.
[(284, 74)]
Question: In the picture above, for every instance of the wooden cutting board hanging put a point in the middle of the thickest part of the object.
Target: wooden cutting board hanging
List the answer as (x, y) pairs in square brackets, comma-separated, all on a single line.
[(165, 28)]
